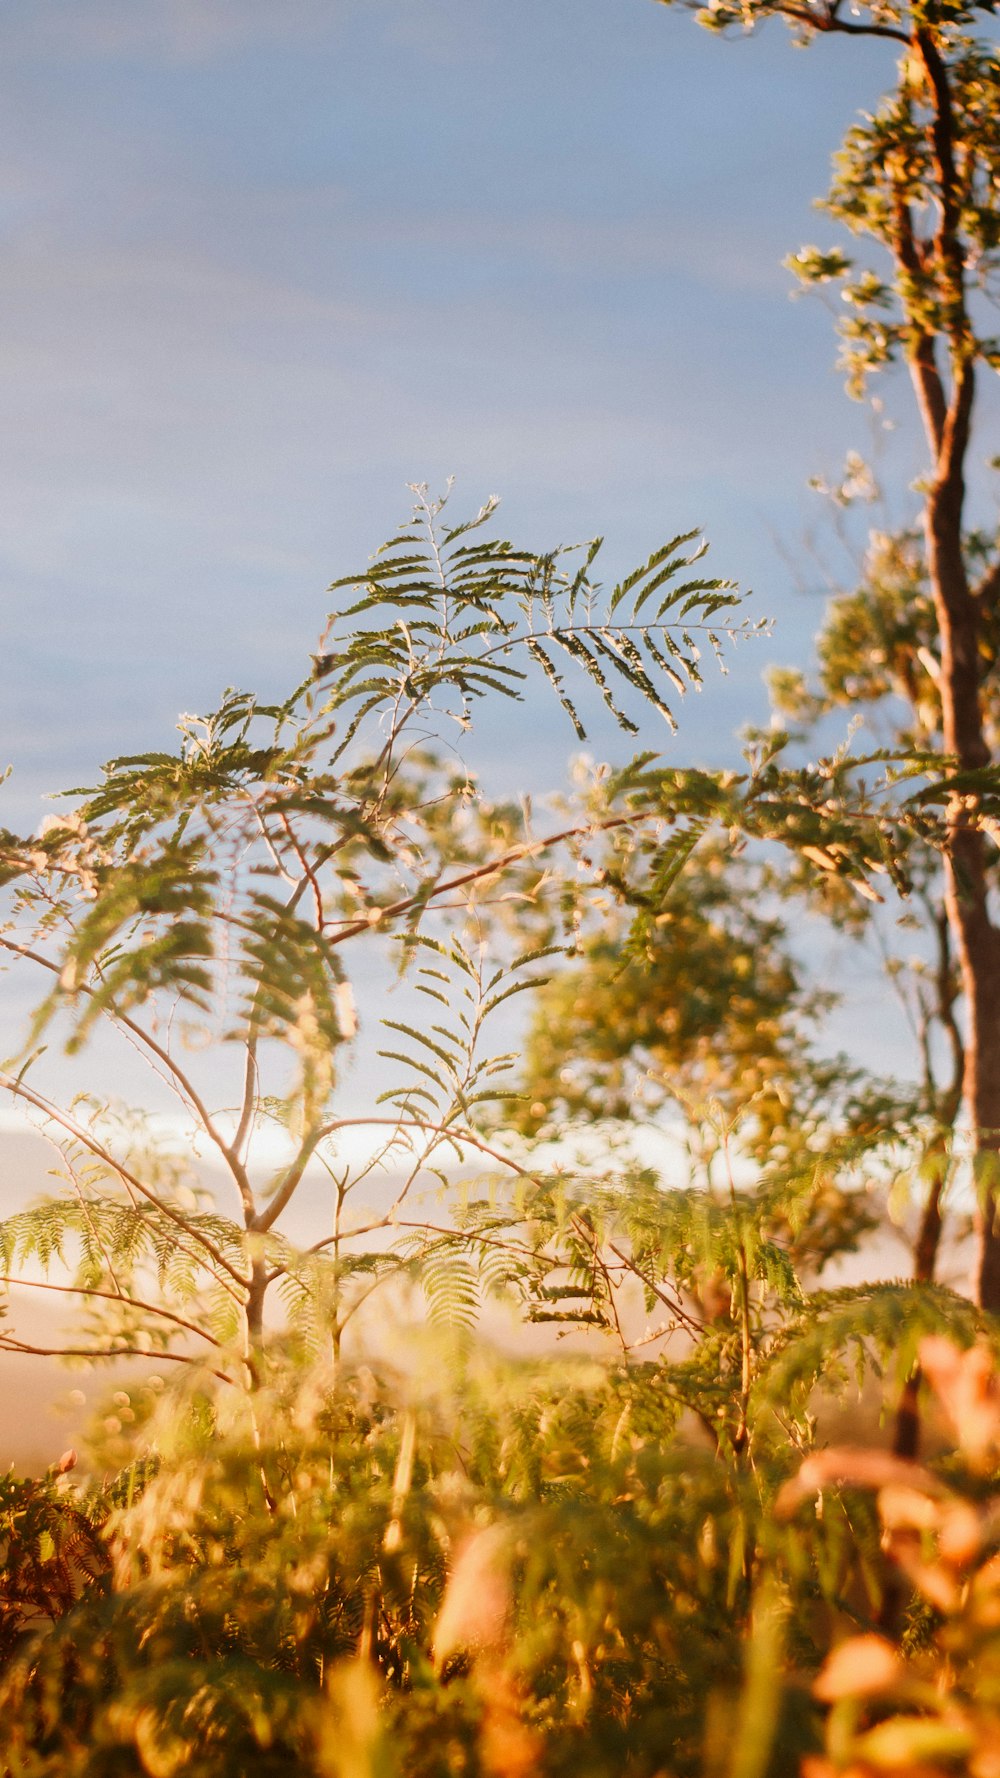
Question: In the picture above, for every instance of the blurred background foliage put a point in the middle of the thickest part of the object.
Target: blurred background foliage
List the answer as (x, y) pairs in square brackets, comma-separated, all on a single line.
[(637, 1552)]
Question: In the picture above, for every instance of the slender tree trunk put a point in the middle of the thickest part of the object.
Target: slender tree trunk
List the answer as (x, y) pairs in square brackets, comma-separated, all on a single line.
[(947, 417), (906, 1434), (254, 1310), (979, 949), (967, 884)]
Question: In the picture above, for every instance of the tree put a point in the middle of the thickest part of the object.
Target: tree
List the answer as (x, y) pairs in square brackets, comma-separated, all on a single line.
[(523, 1568), (918, 180), (875, 656), (668, 1003), (214, 892)]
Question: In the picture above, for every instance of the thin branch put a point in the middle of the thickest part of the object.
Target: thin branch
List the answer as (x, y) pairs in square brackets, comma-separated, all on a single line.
[(553, 633), (270, 845), (660, 1291), (514, 854), (268, 1215), (113, 1296), (180, 1077), (72, 1128), (251, 1083), (924, 369), (307, 868), (362, 1298), (443, 1132), (9, 1344), (343, 1183), (502, 1242), (831, 20), (846, 29)]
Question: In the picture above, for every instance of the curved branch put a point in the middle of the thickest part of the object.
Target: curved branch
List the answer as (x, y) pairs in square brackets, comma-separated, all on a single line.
[(293, 1177), (112, 1296), (513, 855), (829, 22), (9, 1344), (182, 1080), (97, 1149), (924, 370), (949, 232)]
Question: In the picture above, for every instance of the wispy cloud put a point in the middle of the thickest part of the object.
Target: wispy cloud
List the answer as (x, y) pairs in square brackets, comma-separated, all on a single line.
[(265, 261)]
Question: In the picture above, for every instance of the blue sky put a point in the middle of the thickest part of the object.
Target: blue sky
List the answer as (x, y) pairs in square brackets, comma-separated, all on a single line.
[(264, 262)]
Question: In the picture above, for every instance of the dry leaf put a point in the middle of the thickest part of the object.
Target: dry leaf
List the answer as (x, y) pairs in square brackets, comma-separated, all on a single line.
[(859, 1668), (852, 1466), (965, 1384), (476, 1606)]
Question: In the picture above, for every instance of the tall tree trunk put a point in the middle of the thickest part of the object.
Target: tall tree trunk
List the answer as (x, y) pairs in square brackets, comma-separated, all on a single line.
[(254, 1315), (906, 1434), (976, 937), (947, 417)]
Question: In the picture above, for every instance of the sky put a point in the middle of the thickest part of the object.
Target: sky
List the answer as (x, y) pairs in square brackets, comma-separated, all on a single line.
[(263, 263)]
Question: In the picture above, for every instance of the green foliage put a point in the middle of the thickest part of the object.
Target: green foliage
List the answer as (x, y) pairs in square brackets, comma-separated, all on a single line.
[(53, 1552), (302, 1568), (916, 178), (449, 619), (926, 1700), (481, 1567), (694, 998), (601, 1565), (216, 891), (253, 1572), (508, 1568)]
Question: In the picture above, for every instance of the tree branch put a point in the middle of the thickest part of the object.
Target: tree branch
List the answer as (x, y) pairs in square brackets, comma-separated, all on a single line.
[(924, 369), (72, 1128), (182, 1080), (9, 1344), (113, 1296), (514, 854)]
